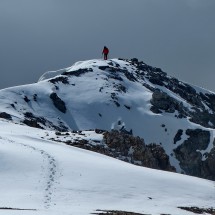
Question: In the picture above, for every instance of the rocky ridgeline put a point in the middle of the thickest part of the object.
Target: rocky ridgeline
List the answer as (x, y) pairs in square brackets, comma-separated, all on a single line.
[(202, 104)]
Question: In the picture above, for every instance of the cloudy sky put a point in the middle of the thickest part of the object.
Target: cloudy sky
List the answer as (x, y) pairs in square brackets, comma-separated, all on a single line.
[(42, 35)]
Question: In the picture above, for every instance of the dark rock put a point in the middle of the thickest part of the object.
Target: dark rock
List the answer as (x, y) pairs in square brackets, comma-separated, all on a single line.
[(114, 212), (13, 106), (134, 60), (99, 131), (129, 76), (128, 107), (62, 79), (122, 145), (35, 97), (103, 67), (134, 148), (191, 159), (155, 109), (156, 80), (58, 103), (117, 103), (198, 210), (178, 136), (78, 72), (162, 101), (38, 122), (26, 99), (5, 115), (32, 123), (120, 88)]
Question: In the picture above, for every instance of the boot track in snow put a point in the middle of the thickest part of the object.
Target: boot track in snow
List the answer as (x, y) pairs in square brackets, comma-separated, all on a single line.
[(48, 172)]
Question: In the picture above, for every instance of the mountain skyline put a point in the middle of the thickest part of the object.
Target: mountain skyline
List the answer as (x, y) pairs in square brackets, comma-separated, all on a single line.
[(177, 36)]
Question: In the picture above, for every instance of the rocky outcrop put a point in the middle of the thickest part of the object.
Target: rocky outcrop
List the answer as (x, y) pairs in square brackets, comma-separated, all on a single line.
[(58, 103), (161, 101), (190, 156), (133, 149), (128, 148), (5, 115), (40, 122), (178, 136)]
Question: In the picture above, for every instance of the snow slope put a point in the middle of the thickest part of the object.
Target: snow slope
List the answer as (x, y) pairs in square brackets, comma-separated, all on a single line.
[(57, 179), (110, 95)]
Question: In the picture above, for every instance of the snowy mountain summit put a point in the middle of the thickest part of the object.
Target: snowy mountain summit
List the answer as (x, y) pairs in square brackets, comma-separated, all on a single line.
[(124, 95), (122, 108)]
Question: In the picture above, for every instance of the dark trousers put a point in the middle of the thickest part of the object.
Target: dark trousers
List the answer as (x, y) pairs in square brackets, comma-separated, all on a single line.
[(105, 56)]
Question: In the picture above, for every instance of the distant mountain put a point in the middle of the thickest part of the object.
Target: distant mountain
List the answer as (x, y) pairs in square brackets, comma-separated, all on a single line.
[(173, 117)]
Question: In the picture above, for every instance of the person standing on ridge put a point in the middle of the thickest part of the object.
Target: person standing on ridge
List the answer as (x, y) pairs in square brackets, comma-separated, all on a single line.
[(105, 52)]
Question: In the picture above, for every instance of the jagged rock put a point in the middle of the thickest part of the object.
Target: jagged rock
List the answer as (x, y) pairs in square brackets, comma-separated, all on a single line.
[(40, 122), (190, 157), (131, 148), (62, 79), (78, 72), (58, 103), (129, 76), (156, 80), (32, 123), (123, 146), (162, 101)]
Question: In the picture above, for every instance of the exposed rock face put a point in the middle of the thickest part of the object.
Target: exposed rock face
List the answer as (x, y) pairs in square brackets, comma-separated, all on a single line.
[(163, 102), (40, 122), (58, 103), (126, 147), (190, 157), (133, 149)]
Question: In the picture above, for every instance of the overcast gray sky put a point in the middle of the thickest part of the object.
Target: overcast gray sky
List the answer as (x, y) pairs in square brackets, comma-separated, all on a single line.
[(41, 35)]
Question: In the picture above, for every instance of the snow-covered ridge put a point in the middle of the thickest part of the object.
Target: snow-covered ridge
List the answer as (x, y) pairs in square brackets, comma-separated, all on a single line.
[(125, 95)]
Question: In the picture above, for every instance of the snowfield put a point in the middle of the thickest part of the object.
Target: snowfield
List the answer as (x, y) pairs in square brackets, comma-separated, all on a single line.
[(53, 178), (39, 174)]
